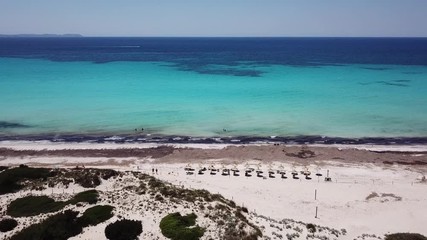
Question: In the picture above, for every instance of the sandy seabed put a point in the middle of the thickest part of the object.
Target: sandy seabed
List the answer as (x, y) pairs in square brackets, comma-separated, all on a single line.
[(373, 190)]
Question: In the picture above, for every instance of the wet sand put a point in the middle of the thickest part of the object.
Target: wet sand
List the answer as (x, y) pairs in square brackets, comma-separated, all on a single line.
[(303, 154)]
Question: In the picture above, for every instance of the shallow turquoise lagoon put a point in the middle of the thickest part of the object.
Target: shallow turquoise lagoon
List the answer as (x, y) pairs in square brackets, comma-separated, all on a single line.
[(117, 97)]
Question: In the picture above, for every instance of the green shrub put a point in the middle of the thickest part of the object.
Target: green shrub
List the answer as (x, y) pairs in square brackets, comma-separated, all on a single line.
[(96, 215), (8, 224), (65, 225), (405, 236), (177, 227), (59, 227), (3, 168), (88, 180), (245, 209), (311, 228), (10, 178), (90, 196), (33, 205), (123, 230)]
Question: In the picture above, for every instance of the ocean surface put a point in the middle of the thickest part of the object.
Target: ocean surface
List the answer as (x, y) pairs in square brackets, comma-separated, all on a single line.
[(214, 89)]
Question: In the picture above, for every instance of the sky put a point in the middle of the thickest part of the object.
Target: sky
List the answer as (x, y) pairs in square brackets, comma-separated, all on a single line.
[(212, 18)]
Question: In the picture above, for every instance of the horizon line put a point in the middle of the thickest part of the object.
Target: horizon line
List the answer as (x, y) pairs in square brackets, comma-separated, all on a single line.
[(76, 35)]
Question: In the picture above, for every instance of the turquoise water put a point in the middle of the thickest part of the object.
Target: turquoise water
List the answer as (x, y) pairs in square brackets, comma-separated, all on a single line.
[(347, 100)]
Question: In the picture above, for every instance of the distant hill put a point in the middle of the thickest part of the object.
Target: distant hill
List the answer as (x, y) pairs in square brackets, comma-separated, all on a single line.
[(41, 35)]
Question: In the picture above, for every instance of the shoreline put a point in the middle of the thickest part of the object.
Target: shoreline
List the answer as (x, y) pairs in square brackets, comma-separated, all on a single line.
[(219, 139), (58, 145)]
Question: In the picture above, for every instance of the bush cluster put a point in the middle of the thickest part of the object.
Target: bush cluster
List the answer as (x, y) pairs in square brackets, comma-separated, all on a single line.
[(311, 228), (177, 227), (123, 230), (95, 215), (405, 236), (7, 224), (65, 225), (35, 205), (169, 191), (60, 226), (10, 178), (90, 196)]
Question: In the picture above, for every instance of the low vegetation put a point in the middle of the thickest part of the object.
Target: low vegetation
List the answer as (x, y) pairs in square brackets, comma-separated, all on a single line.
[(311, 227), (65, 225), (35, 205), (225, 212), (214, 208), (7, 224), (90, 196), (60, 226), (3, 168), (14, 179), (123, 230), (177, 227), (98, 214), (10, 179), (405, 236)]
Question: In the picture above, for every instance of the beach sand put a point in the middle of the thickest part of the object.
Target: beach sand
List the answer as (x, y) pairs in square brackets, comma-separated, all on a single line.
[(374, 190)]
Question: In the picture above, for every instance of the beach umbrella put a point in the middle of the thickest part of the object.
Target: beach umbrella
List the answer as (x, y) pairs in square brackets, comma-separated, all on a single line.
[(318, 171), (271, 173), (281, 169), (306, 171), (294, 171), (270, 168), (188, 167), (235, 166), (211, 167), (235, 169), (248, 167)]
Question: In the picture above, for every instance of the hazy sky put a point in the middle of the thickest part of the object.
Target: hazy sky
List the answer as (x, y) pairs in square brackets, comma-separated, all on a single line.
[(216, 17)]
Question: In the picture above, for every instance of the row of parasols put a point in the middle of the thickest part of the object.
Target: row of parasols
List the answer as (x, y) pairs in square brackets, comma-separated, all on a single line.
[(253, 170)]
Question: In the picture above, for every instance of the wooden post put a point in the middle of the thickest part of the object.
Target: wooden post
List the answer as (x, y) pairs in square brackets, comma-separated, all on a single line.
[(315, 194), (316, 213)]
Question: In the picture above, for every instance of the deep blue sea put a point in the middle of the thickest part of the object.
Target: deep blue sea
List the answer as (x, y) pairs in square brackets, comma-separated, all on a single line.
[(353, 90)]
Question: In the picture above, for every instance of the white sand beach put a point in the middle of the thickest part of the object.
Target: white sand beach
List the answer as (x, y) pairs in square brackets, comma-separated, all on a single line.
[(367, 199)]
